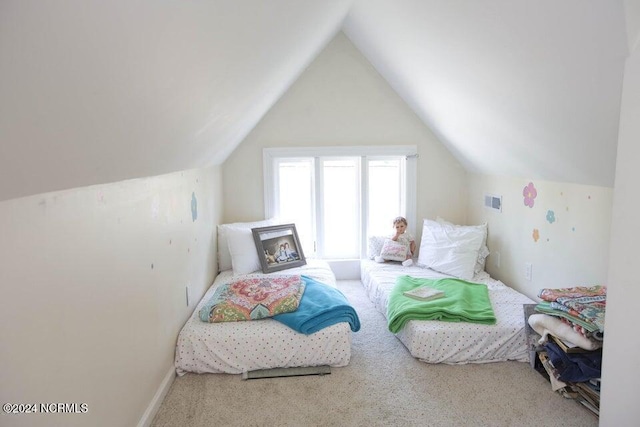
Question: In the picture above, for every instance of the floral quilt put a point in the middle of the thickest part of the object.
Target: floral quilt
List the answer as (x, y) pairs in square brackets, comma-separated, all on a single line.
[(586, 302), (253, 298)]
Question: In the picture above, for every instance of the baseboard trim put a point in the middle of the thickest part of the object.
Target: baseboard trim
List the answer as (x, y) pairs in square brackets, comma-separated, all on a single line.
[(154, 405)]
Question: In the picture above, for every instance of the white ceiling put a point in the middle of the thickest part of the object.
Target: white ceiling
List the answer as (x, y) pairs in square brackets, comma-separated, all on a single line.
[(511, 87), (94, 92)]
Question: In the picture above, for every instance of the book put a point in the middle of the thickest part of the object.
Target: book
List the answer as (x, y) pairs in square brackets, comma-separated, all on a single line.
[(424, 293), (566, 346)]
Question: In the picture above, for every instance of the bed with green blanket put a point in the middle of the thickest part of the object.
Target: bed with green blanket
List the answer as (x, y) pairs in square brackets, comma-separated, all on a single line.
[(462, 302), (485, 324)]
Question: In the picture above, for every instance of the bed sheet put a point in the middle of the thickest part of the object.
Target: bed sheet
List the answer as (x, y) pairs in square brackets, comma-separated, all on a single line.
[(449, 342), (237, 347)]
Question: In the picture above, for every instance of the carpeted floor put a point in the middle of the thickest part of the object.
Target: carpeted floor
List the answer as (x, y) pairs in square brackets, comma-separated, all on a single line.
[(382, 386)]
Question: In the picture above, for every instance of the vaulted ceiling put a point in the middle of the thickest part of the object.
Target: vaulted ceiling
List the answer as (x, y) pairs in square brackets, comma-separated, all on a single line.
[(95, 92)]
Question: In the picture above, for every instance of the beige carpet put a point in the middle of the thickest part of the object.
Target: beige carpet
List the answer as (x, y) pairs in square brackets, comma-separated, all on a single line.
[(382, 386)]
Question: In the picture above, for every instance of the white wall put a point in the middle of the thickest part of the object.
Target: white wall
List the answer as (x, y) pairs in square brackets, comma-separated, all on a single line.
[(572, 223), (341, 100), (93, 292), (621, 376)]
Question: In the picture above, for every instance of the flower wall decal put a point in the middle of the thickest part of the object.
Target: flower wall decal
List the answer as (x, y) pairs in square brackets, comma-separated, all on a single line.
[(529, 193), (551, 216), (536, 235)]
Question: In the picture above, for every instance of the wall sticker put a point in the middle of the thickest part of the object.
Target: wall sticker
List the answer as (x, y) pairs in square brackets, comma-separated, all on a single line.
[(194, 207), (529, 193), (551, 216), (536, 235)]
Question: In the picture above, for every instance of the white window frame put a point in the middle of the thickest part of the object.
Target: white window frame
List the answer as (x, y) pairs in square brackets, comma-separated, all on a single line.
[(410, 152)]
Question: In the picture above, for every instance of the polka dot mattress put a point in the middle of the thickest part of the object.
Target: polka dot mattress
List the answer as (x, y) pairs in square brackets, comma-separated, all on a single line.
[(453, 342), (237, 347)]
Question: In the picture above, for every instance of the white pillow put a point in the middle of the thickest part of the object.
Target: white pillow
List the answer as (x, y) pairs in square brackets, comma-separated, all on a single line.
[(224, 257), (242, 248), (394, 251), (375, 246), (484, 250), (450, 250)]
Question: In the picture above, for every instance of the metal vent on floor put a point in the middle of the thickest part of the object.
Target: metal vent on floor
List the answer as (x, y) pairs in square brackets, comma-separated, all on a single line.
[(286, 372)]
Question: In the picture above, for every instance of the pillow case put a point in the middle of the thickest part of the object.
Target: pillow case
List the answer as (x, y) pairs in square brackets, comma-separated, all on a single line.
[(450, 250), (243, 252), (224, 257), (374, 247), (484, 250), (253, 298), (393, 250)]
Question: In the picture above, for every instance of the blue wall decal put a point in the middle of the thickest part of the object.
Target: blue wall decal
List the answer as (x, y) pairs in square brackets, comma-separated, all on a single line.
[(194, 207), (551, 216)]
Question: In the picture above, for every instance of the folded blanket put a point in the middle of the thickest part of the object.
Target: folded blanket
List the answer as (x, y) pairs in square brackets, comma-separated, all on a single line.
[(463, 302), (321, 306), (545, 325), (585, 302), (546, 308)]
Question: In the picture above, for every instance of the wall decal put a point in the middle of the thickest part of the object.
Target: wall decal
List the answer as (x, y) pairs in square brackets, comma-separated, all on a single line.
[(529, 193), (551, 216), (194, 207), (536, 235), (152, 266)]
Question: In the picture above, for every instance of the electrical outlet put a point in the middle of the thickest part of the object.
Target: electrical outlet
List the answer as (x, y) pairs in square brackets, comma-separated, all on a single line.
[(187, 294), (528, 271), (496, 259)]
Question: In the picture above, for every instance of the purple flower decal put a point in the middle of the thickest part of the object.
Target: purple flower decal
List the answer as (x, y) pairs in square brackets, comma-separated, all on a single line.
[(551, 217), (529, 194)]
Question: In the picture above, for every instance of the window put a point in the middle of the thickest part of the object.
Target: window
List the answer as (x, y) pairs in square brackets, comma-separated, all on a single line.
[(337, 196)]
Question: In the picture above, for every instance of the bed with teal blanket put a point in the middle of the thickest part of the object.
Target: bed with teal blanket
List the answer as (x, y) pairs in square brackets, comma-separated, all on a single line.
[(317, 333), (476, 322)]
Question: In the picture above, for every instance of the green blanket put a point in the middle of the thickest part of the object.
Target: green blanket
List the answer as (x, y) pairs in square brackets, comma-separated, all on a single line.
[(463, 302)]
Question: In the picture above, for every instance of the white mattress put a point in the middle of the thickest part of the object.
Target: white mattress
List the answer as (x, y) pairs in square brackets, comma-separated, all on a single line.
[(451, 342), (237, 347)]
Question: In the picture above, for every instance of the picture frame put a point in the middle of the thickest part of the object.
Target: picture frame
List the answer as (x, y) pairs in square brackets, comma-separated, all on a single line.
[(278, 247)]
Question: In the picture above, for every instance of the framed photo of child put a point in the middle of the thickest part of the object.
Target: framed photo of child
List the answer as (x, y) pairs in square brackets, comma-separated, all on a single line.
[(278, 247)]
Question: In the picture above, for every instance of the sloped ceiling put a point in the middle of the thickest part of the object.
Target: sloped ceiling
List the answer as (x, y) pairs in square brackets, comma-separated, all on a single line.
[(95, 92), (511, 87)]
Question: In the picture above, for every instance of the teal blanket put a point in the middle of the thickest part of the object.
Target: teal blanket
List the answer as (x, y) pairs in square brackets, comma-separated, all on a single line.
[(463, 302), (321, 306)]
